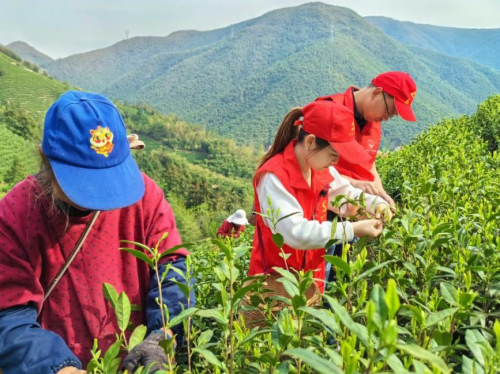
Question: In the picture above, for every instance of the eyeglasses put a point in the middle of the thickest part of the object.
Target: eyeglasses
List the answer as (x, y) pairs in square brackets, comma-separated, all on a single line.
[(389, 114)]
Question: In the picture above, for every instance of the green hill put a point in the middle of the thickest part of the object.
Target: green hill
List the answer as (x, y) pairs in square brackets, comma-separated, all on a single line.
[(29, 53), (205, 176), (478, 45), (26, 88), (242, 79), (25, 95)]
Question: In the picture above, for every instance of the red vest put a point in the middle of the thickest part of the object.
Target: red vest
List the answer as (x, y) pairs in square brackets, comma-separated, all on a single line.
[(369, 138), (314, 202)]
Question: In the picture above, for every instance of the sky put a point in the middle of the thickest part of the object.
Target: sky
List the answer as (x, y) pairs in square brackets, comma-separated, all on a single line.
[(60, 28)]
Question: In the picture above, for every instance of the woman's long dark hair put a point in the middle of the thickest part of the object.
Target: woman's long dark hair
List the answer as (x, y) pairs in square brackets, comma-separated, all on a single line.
[(287, 132)]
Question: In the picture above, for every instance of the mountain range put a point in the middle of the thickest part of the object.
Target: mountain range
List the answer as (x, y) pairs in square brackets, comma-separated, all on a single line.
[(242, 79), (478, 45)]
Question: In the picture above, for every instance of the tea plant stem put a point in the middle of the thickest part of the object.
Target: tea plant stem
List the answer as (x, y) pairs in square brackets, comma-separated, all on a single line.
[(372, 358), (124, 340), (231, 318), (299, 327), (161, 310), (284, 258), (188, 335)]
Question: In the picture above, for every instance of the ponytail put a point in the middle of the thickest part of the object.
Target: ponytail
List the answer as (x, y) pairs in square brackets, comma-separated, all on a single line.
[(286, 133)]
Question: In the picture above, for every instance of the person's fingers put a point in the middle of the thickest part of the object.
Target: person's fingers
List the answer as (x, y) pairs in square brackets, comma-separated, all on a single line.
[(389, 200), (389, 214), (131, 362), (376, 228), (372, 190)]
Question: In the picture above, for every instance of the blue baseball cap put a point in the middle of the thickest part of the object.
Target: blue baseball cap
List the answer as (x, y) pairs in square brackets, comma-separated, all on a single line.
[(85, 140)]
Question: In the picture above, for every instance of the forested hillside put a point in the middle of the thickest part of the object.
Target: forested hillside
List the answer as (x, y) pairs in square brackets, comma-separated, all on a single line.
[(242, 79)]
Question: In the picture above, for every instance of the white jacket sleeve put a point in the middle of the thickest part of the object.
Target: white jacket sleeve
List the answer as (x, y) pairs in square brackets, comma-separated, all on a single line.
[(342, 186), (298, 232)]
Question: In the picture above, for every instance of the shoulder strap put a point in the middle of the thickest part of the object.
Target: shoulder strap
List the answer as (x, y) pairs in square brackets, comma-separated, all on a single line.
[(73, 254)]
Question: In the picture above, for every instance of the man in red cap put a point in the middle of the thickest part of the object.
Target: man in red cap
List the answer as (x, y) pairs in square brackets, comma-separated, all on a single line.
[(389, 95)]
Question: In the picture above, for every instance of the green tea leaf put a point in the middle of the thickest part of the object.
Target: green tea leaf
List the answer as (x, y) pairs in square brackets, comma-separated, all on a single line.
[(278, 240), (240, 294), (224, 248), (392, 298), (213, 313), (137, 244), (359, 330), (466, 298), (472, 339), (111, 354), (290, 288), (374, 269), (325, 317), (319, 364), (395, 364), (449, 293), (420, 367), (122, 311), (110, 294), (286, 274), (443, 338), (439, 316), (140, 255), (174, 249), (183, 286), (209, 356), (181, 317), (339, 263), (381, 309), (137, 336), (421, 353), (471, 366)]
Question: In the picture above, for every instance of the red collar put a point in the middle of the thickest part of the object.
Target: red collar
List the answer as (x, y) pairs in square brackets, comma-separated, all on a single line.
[(348, 98)]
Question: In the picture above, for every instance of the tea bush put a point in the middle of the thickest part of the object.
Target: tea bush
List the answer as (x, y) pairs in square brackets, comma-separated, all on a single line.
[(424, 297)]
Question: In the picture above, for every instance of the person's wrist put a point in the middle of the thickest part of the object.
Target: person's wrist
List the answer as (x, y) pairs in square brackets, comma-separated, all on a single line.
[(70, 370), (159, 334)]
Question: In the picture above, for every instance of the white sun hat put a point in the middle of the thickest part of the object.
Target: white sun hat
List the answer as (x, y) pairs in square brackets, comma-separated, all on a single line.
[(238, 218)]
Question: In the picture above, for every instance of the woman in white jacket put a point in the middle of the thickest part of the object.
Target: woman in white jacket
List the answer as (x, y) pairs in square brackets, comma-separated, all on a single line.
[(298, 179)]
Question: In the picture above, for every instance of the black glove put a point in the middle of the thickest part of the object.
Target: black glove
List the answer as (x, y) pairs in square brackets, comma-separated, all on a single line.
[(146, 353)]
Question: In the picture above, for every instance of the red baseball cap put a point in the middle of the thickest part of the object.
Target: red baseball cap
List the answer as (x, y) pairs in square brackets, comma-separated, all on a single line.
[(334, 123), (402, 87)]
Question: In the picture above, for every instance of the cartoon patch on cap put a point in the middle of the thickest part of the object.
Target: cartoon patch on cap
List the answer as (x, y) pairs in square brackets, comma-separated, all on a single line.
[(102, 140), (410, 99)]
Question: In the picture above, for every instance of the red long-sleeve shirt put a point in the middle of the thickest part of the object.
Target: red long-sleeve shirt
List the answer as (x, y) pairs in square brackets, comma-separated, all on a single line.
[(228, 229), (36, 239)]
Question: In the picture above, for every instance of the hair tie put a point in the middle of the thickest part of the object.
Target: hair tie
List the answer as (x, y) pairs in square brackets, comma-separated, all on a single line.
[(298, 123)]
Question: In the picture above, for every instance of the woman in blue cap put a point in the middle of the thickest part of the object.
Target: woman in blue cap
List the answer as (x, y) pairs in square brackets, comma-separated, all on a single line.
[(88, 183)]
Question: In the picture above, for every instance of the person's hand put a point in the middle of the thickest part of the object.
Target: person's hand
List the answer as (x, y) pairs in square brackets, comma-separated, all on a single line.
[(368, 227), (71, 370), (147, 353), (383, 212), (367, 187), (391, 202)]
